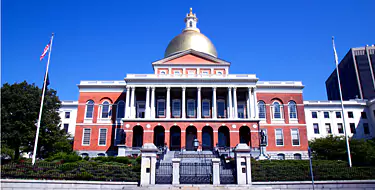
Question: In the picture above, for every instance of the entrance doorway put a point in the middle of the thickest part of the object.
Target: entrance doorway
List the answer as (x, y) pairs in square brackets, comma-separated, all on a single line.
[(224, 138), (207, 138), (175, 138), (159, 136), (245, 135), (137, 136), (191, 134)]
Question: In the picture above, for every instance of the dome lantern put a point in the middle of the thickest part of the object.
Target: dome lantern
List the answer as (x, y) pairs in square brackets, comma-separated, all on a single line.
[(190, 38)]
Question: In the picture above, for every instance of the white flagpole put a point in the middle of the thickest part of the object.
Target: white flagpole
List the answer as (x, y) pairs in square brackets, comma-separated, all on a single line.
[(342, 104), (41, 102)]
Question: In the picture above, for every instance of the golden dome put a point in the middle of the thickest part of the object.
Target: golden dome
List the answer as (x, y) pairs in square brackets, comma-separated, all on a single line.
[(190, 38)]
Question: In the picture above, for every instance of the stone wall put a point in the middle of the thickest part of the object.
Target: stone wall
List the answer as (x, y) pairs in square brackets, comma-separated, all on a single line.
[(13, 184)]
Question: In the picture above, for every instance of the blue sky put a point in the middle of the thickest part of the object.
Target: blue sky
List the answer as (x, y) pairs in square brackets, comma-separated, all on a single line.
[(105, 40)]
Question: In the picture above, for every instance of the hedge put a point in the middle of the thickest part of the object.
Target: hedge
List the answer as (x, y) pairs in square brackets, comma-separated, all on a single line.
[(73, 171), (299, 170)]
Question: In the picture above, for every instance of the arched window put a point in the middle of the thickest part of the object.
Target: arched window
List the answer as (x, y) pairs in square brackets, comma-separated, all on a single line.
[(101, 155), (277, 114), (262, 110), (297, 156), (292, 110), (89, 109), (106, 110), (84, 155), (281, 156), (191, 24), (121, 109)]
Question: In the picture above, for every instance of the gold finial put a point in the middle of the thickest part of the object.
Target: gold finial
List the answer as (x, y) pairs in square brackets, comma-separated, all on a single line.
[(191, 12)]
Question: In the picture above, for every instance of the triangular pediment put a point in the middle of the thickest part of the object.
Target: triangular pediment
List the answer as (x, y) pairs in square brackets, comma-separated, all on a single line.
[(190, 57)]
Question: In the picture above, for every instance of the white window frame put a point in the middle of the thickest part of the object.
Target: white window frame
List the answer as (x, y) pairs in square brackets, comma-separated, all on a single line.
[(265, 110), (194, 108), (242, 103), (204, 73), (298, 136), (100, 112), (294, 156), (314, 129), (277, 120), (342, 127), (282, 136), (106, 131), (209, 106), (69, 113), (217, 111), (177, 73), (83, 137), (293, 120), (117, 110), (138, 110), (157, 108), (179, 110), (330, 127), (317, 115), (89, 119)]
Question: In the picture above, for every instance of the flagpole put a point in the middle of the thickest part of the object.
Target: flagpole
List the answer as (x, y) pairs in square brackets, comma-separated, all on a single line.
[(41, 103), (342, 104)]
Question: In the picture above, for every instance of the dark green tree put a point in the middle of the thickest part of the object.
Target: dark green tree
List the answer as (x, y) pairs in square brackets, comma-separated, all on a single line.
[(334, 148), (20, 105)]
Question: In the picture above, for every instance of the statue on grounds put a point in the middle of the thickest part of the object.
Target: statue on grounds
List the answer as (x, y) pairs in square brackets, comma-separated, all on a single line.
[(263, 138)]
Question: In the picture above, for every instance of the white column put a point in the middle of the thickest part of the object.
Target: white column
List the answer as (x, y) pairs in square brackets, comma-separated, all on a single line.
[(249, 103), (176, 171), (152, 102), (255, 103), (216, 171), (230, 112), (132, 106), (168, 104), (214, 110), (235, 114), (147, 110), (183, 110), (127, 110), (199, 103)]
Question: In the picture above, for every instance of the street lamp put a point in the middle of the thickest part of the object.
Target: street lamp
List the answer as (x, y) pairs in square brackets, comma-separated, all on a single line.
[(196, 144)]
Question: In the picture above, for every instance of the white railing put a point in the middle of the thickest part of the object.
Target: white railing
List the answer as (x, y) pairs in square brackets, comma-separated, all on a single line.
[(229, 76), (113, 82)]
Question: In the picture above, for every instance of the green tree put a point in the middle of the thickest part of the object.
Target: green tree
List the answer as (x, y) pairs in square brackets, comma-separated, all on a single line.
[(334, 148), (20, 104)]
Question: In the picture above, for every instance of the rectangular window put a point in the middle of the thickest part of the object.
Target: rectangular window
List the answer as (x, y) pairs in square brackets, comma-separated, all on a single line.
[(279, 137), (67, 115), (328, 128), (316, 128), (220, 109), (366, 128), (340, 128), (66, 127), (363, 115), (295, 137), (191, 108), (206, 108), (176, 108), (338, 114), (86, 136), (352, 128), (314, 114), (326, 114), (350, 114), (241, 110), (161, 108), (102, 137)]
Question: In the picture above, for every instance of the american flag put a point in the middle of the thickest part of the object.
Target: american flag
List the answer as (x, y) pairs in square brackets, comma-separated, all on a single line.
[(45, 51)]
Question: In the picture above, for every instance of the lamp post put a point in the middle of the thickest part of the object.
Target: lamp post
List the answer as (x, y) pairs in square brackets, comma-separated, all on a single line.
[(196, 144)]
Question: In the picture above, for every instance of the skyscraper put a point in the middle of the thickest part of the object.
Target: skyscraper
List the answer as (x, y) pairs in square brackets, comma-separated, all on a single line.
[(356, 75)]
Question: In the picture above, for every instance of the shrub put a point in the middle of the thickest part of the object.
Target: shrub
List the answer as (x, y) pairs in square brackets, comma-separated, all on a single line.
[(62, 156)]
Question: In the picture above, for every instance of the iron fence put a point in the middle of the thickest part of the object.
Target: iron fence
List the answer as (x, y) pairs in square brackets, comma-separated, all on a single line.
[(228, 174), (195, 173), (163, 173), (71, 171)]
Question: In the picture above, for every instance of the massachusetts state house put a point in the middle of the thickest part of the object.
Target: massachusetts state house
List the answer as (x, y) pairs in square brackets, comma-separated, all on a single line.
[(190, 103)]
